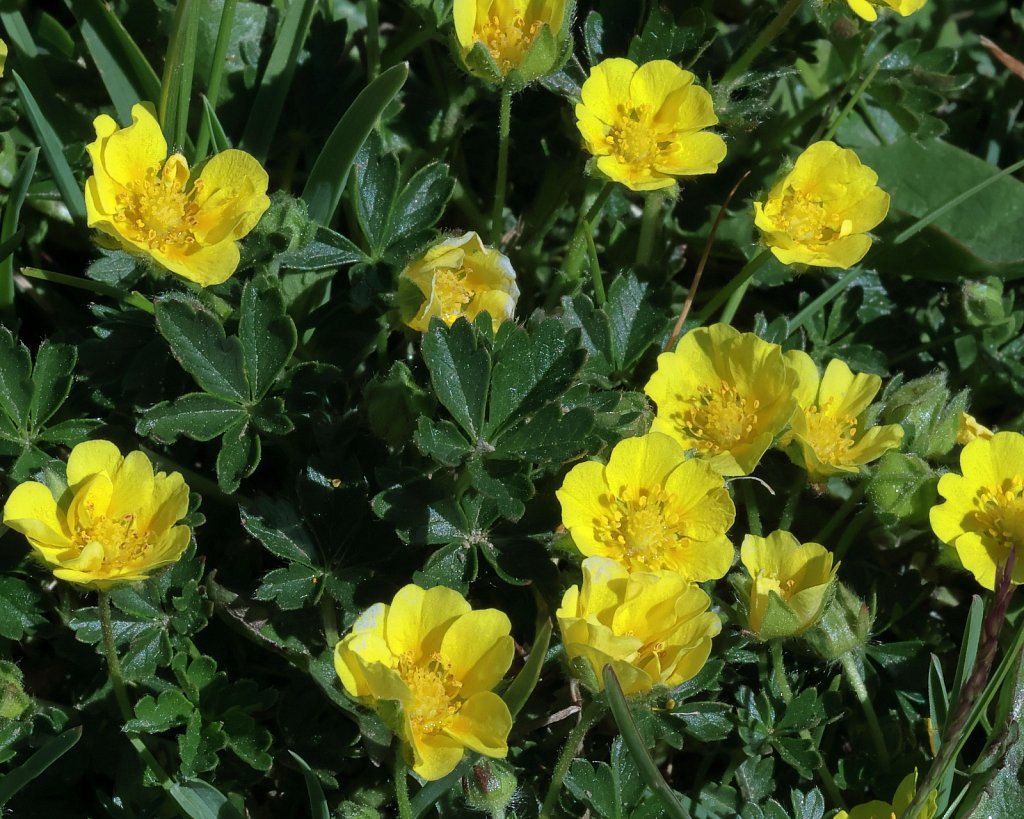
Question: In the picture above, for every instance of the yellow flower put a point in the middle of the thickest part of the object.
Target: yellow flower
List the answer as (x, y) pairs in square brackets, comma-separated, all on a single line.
[(507, 29), (828, 435), (437, 660), (113, 524), (460, 277), (983, 513), (971, 430), (725, 394), (865, 9), (900, 802), (797, 576), (820, 212), (149, 203), (645, 124), (651, 509), (653, 627)]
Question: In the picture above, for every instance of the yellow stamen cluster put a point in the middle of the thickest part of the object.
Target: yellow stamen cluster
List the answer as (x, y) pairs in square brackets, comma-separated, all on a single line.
[(1000, 512), (831, 436), (508, 42), (631, 139), (641, 523), (158, 211), (807, 219), (434, 692), (717, 420), (122, 543), (452, 294)]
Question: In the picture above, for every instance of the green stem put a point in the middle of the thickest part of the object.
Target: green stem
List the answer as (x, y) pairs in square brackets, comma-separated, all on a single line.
[(220, 50), (779, 671), (590, 714), (746, 492), (504, 126), (402, 786), (577, 246), (736, 282), (598, 204), (372, 40), (800, 318), (729, 313), (837, 520), (796, 490), (595, 265), (113, 663), (329, 617), (856, 681), (831, 132), (763, 40), (648, 228), (135, 299)]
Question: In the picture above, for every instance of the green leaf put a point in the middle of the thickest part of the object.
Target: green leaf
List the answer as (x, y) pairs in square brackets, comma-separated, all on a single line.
[(277, 79), (328, 251), (550, 435), (460, 371), (239, 455), (124, 69), (520, 689), (36, 765), (153, 715), (200, 800), (977, 238), (15, 379), (326, 181), (70, 432), (10, 236), (53, 151), (51, 380), (595, 332), (198, 343), (530, 369), (247, 740), (419, 206), (277, 525), (706, 721), (291, 588), (21, 606), (376, 186), (150, 650), (442, 441), (218, 136), (636, 323), (197, 415), (318, 807), (267, 335), (199, 745)]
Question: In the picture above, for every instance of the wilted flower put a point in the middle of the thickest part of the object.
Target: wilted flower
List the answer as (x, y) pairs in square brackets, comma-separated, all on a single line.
[(525, 36), (649, 508), (458, 278), (436, 660), (820, 212), (867, 9), (114, 523), (827, 433), (645, 124), (971, 430), (149, 203), (724, 394), (983, 513), (789, 583), (654, 628), (900, 802)]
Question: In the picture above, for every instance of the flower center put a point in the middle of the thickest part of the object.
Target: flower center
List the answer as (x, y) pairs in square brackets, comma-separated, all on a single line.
[(157, 211), (508, 40), (632, 139), (769, 583), (452, 293), (641, 524), (830, 436), (434, 692), (717, 421), (807, 218), (1000, 513), (122, 543)]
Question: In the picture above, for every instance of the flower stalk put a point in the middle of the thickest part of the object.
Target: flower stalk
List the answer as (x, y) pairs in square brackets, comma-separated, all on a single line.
[(504, 126), (591, 713), (648, 228), (856, 681), (113, 663), (768, 34)]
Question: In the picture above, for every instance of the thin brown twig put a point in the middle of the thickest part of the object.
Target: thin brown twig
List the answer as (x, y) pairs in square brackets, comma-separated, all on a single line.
[(688, 305)]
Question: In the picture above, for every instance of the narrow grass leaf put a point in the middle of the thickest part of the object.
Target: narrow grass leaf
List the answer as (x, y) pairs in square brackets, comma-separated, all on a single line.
[(200, 800), (9, 227), (327, 180), (318, 808), (53, 151), (37, 764), (214, 130), (179, 67), (522, 686), (213, 82), (277, 79), (968, 646)]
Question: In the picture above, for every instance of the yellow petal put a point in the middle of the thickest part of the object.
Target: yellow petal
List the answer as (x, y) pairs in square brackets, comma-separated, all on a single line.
[(464, 14), (608, 86), (32, 510), (646, 460), (91, 458), (132, 487), (483, 724), (126, 154), (693, 154), (807, 377), (580, 499), (205, 266), (418, 619), (434, 757), (654, 82), (233, 197), (479, 648)]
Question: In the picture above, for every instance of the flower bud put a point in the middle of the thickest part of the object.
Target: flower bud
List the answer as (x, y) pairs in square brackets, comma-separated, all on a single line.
[(930, 416), (983, 302), (13, 699), (490, 787), (902, 489), (844, 627)]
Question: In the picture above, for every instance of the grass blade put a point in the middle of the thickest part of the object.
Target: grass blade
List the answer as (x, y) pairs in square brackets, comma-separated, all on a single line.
[(327, 180), (9, 227), (213, 82), (277, 79), (53, 151), (969, 646), (318, 808), (649, 772), (179, 68), (200, 800), (522, 686), (37, 764), (124, 69), (214, 131)]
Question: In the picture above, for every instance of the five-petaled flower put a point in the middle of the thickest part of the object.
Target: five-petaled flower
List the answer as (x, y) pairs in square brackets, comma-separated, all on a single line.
[(820, 212), (649, 508), (150, 203), (435, 658), (458, 278), (654, 628), (645, 124), (828, 433), (868, 9), (877, 809), (725, 394), (114, 523), (788, 585), (983, 514), (508, 29)]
